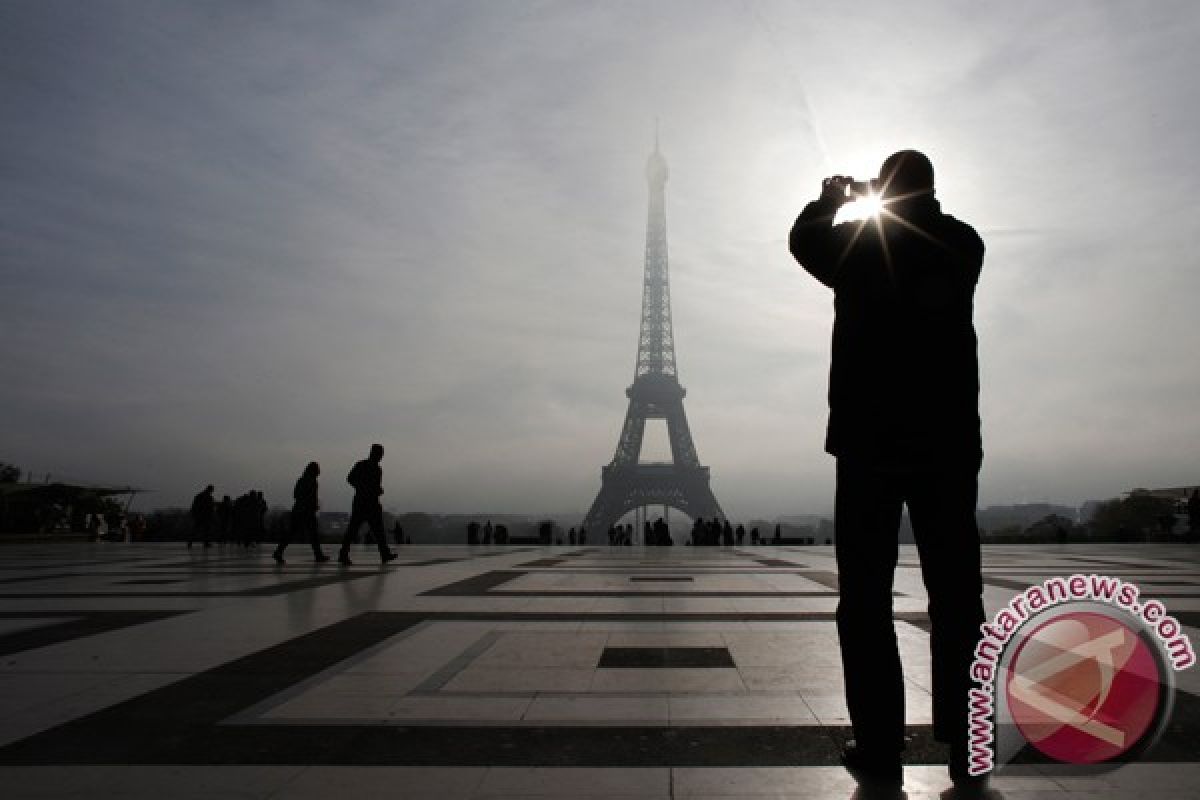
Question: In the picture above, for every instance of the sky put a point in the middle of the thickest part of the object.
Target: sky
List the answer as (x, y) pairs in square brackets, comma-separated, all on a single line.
[(237, 237)]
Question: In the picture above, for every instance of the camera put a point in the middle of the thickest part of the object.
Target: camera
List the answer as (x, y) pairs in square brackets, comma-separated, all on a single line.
[(857, 189), (849, 189)]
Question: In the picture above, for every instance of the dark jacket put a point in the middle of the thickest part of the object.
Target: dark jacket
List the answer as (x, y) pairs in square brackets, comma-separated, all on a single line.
[(305, 495), (367, 479), (904, 380)]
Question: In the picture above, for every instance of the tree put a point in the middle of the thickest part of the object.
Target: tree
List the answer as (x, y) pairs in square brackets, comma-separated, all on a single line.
[(9, 473), (1054, 527), (1131, 517)]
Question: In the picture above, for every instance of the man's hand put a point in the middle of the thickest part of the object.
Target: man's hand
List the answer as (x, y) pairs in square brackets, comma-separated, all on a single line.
[(833, 190)]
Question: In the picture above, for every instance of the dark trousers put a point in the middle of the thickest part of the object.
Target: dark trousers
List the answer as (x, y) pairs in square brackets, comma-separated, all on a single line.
[(300, 526), (941, 507), (372, 515)]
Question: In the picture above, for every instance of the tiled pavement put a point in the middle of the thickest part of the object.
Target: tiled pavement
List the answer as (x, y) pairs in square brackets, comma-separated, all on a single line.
[(154, 671)]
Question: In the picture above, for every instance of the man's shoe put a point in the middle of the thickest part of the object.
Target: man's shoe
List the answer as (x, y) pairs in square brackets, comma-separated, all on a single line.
[(390, 557), (869, 769)]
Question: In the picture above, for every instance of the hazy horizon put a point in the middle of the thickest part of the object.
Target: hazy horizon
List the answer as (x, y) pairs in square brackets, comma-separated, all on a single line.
[(235, 238)]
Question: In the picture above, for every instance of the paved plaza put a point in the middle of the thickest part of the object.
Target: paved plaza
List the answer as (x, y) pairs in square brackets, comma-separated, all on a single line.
[(157, 671)]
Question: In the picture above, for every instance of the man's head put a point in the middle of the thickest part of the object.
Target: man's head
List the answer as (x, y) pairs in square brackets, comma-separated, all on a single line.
[(209, 489), (906, 173), (377, 453)]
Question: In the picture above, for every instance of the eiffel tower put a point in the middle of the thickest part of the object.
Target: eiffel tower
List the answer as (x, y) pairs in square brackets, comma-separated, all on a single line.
[(627, 483)]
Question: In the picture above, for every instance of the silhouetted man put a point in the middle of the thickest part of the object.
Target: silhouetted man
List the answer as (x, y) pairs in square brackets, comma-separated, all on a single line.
[(904, 427), (202, 512), (304, 514), (367, 479), (1193, 510)]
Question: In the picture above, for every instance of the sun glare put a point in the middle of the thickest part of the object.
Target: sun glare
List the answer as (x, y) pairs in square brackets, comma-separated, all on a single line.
[(861, 208)]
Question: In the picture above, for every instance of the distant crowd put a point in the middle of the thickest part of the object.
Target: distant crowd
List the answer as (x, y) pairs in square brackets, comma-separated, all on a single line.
[(113, 525), (240, 522), (705, 533)]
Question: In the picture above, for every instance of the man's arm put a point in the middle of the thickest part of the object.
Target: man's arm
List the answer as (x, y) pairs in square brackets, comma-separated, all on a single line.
[(813, 241)]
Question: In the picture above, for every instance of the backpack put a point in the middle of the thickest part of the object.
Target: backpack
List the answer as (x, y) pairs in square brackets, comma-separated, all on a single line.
[(355, 476)]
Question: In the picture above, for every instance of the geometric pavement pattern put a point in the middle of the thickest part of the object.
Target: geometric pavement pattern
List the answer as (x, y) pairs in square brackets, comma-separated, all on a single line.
[(150, 670)]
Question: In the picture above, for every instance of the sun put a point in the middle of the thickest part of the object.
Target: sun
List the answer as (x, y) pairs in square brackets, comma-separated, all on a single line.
[(861, 208)]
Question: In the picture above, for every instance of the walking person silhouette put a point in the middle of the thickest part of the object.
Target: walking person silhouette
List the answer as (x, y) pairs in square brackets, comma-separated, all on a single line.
[(904, 428), (304, 514), (203, 512), (367, 479)]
